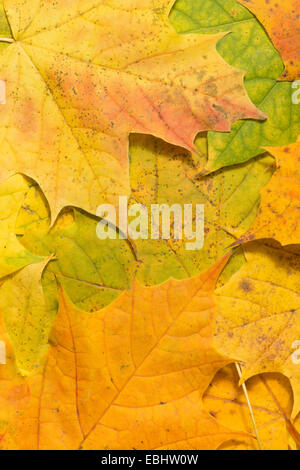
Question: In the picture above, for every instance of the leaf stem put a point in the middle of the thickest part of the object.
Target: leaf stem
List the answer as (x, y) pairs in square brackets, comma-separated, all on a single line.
[(239, 370), (9, 40), (290, 427)]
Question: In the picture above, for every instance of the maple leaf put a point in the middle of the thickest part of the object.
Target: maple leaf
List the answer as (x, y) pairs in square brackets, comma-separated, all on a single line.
[(279, 214), (145, 360), (13, 255), (271, 400), (71, 104), (5, 32), (27, 316), (258, 317), (248, 138), (249, 49), (162, 174), (281, 20), (94, 272), (129, 376)]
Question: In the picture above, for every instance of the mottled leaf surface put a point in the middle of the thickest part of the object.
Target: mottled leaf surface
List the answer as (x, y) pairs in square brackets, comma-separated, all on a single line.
[(279, 212), (258, 320), (248, 48), (271, 400), (94, 272), (27, 316), (13, 256), (128, 377), (71, 104), (281, 20)]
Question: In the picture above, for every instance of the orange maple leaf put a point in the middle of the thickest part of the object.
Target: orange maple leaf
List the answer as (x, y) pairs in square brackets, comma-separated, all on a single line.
[(279, 212), (129, 376)]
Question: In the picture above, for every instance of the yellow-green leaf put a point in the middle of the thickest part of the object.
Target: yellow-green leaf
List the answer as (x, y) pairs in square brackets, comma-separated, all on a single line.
[(94, 272), (13, 256), (27, 316)]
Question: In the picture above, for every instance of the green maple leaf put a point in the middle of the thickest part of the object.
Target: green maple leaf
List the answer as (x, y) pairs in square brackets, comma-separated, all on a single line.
[(94, 271), (247, 48)]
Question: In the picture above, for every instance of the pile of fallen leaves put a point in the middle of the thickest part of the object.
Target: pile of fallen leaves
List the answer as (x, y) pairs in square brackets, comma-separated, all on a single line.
[(122, 344)]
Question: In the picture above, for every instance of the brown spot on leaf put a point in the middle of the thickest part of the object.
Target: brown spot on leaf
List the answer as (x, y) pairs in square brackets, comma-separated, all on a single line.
[(245, 285)]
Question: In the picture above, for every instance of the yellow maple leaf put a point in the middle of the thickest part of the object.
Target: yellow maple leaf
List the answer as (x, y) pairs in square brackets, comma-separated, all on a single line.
[(258, 320), (129, 376), (82, 76), (271, 399)]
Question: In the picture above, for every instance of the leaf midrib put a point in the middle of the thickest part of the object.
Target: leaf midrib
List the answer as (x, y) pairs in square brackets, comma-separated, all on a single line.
[(148, 354)]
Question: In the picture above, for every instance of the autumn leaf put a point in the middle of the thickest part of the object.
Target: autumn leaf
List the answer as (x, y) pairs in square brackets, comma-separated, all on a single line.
[(13, 256), (121, 343), (258, 318), (5, 32), (279, 214), (248, 138), (281, 20), (161, 174), (249, 49), (129, 376), (27, 316), (71, 104), (94, 272), (271, 399)]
